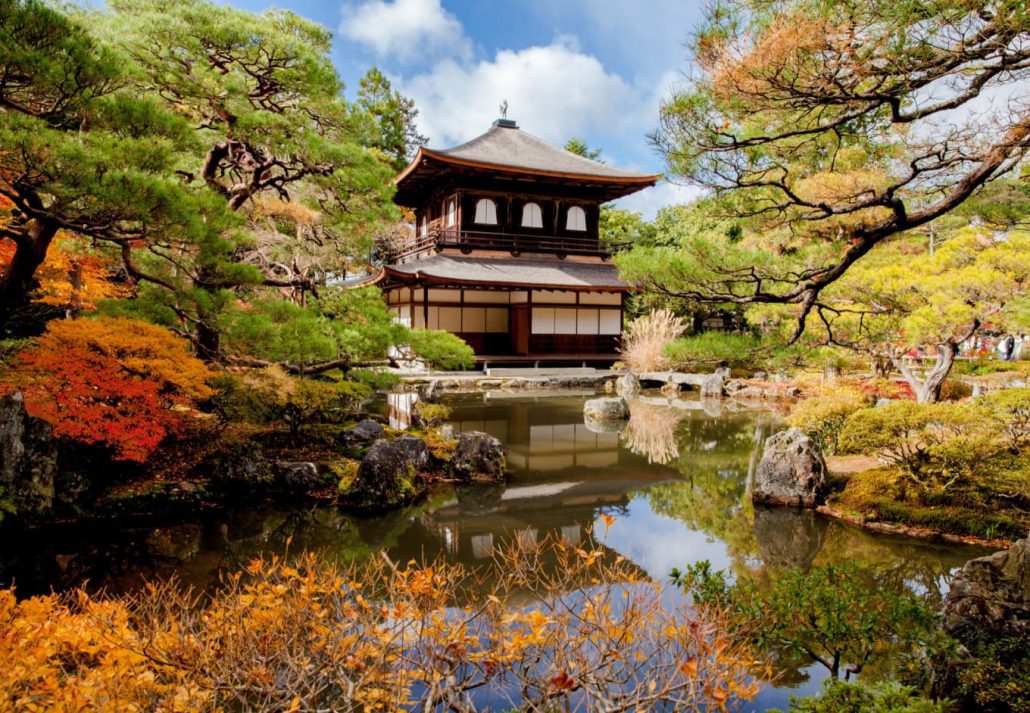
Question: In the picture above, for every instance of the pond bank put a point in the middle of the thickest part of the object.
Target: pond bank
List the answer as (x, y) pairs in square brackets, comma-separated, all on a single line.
[(925, 533), (365, 466)]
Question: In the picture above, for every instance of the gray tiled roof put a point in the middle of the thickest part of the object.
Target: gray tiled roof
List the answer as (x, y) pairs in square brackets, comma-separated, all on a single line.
[(510, 146), (526, 272)]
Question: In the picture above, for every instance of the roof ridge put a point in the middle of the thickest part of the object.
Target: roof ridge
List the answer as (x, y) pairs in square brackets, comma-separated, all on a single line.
[(513, 147)]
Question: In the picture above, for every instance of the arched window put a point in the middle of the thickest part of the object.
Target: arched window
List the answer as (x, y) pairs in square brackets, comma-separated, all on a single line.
[(452, 214), (576, 219), (532, 217), (486, 212)]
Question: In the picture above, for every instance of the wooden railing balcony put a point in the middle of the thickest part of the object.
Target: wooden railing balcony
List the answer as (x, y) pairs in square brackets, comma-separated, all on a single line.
[(514, 243)]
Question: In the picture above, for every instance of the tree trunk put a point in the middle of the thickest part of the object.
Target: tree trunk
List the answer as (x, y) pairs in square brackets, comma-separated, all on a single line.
[(928, 389), (208, 342), (881, 367), (930, 392), (19, 279), (208, 339)]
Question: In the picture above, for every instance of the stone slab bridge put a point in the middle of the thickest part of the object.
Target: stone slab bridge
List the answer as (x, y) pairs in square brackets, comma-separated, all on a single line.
[(707, 384)]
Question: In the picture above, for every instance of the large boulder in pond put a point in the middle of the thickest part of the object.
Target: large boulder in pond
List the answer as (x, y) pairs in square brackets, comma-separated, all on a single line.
[(792, 471), (363, 435), (991, 595), (478, 456), (28, 459), (606, 408), (388, 474)]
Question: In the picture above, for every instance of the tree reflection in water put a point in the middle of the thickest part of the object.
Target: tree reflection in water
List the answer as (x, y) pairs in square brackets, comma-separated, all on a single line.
[(651, 432)]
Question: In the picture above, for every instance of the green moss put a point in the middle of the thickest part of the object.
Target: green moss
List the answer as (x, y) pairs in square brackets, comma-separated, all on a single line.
[(345, 471), (952, 519), (980, 510)]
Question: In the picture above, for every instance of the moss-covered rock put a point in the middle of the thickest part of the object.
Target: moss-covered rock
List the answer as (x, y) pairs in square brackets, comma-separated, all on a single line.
[(28, 460), (389, 473), (479, 456)]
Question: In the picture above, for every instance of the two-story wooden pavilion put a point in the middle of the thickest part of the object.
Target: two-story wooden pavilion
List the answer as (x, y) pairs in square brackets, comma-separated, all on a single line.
[(505, 253)]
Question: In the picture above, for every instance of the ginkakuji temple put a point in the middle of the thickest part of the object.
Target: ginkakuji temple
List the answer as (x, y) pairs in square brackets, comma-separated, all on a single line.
[(505, 251)]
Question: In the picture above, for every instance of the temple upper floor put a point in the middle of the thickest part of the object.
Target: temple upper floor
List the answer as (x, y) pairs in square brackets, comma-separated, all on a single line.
[(508, 190)]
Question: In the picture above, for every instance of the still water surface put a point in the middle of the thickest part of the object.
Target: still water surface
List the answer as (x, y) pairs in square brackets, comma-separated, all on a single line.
[(675, 479)]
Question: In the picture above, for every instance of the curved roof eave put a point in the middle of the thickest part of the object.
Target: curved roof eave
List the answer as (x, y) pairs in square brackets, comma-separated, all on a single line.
[(642, 180)]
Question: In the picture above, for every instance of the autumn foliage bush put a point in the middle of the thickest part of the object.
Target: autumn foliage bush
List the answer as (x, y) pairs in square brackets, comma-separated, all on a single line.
[(118, 383), (557, 627)]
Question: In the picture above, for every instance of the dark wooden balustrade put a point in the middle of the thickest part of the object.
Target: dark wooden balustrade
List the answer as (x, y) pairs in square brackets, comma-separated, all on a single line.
[(514, 243)]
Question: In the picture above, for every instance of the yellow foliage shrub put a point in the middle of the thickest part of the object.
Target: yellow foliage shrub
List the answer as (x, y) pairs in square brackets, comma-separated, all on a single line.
[(308, 634), (822, 416)]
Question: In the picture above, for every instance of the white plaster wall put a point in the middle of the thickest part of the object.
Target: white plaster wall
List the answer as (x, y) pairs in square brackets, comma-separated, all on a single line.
[(610, 322)]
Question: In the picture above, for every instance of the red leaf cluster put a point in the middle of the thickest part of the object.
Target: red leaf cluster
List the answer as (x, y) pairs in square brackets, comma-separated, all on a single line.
[(110, 382)]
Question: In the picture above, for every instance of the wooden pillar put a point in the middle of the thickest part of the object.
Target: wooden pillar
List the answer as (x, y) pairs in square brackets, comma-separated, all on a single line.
[(425, 307), (622, 314), (459, 198)]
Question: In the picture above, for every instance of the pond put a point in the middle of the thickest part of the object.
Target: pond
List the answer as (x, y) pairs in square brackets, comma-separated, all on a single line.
[(675, 480)]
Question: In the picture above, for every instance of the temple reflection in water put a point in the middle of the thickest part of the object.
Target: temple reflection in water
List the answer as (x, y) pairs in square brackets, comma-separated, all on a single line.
[(563, 473)]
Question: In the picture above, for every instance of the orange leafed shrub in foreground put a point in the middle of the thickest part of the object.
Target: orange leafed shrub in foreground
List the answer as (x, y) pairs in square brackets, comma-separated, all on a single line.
[(548, 627), (111, 382)]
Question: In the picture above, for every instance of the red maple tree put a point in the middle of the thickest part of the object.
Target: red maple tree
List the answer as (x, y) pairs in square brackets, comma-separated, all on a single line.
[(119, 383)]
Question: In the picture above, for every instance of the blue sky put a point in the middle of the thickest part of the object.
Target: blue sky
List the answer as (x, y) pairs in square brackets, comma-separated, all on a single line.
[(596, 69)]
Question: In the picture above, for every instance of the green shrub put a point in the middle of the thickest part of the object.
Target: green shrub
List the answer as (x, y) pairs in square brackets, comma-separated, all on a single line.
[(270, 395), (953, 390), (822, 417), (1009, 410), (881, 697), (234, 401), (710, 350), (441, 350), (374, 379), (839, 615), (871, 485), (936, 445), (431, 415), (982, 367), (940, 445), (996, 677)]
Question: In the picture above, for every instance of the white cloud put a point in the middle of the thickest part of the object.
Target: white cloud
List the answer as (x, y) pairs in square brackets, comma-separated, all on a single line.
[(405, 29), (650, 40), (650, 200), (554, 91)]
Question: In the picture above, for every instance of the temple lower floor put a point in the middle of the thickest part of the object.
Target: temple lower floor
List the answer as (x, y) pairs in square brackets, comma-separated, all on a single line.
[(516, 322)]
